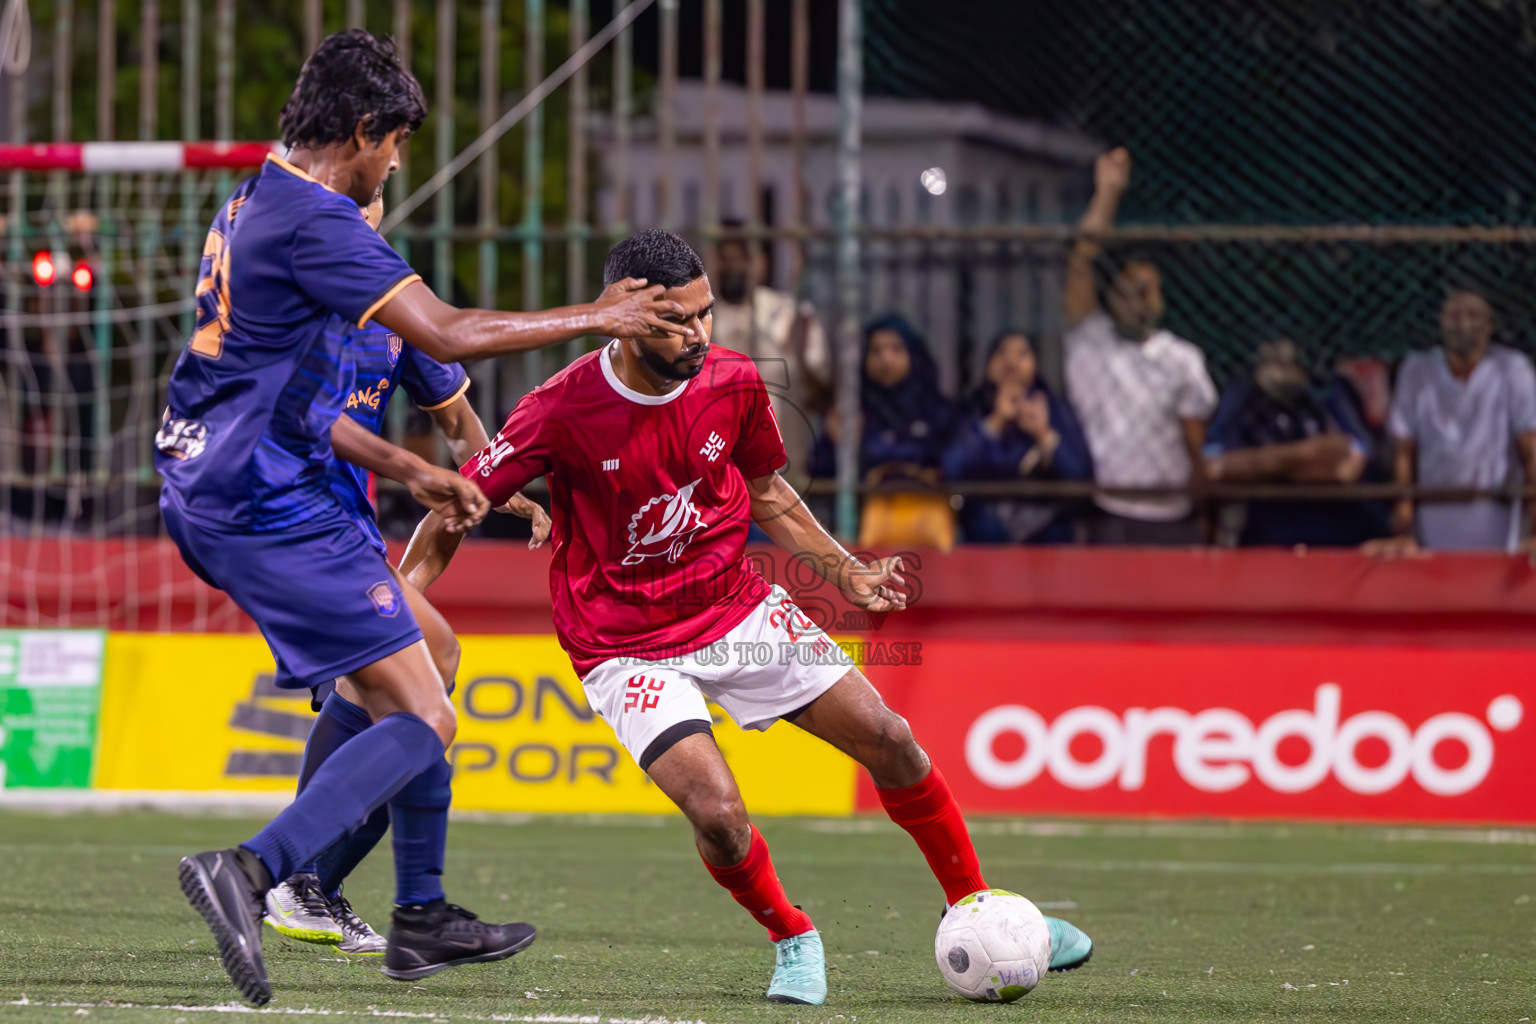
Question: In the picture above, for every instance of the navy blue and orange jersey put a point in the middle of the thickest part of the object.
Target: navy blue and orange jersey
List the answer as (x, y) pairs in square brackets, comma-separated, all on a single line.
[(289, 269), (384, 363)]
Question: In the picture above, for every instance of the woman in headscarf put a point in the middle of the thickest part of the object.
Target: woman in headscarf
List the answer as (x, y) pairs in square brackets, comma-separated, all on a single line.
[(1017, 429), (906, 420)]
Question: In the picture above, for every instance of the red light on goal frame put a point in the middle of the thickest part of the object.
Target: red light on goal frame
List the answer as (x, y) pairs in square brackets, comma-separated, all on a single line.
[(43, 271), (82, 277)]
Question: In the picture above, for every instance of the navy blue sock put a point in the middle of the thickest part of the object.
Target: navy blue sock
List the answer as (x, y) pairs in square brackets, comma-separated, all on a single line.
[(419, 816), (363, 773), (339, 720), (342, 856)]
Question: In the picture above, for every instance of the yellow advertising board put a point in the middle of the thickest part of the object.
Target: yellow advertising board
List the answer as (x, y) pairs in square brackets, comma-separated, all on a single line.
[(199, 712)]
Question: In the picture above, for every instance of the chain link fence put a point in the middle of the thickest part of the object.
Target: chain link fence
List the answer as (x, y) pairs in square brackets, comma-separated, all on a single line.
[(1316, 172)]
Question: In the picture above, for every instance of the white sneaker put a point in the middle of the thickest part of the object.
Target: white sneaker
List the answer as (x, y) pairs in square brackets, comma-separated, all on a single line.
[(296, 908), (358, 937)]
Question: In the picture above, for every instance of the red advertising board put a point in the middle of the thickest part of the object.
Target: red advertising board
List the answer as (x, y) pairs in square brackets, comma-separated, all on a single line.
[(1225, 730)]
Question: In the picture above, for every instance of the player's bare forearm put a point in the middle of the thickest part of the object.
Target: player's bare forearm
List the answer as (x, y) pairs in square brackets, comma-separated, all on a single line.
[(465, 434), (450, 335), (785, 519), (362, 447), (783, 516), (459, 501), (461, 428), (431, 548)]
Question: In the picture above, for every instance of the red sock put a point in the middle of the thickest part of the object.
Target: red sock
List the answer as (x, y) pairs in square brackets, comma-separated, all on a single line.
[(756, 886), (930, 815)]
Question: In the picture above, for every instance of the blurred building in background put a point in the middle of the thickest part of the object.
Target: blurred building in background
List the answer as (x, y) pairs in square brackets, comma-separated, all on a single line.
[(925, 164)]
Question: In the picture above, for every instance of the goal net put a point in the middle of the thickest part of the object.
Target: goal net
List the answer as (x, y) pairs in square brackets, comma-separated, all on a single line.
[(101, 268)]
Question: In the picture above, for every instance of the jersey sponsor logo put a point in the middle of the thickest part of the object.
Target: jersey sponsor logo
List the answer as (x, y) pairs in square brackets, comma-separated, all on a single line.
[(609, 465), (371, 397), (385, 601), (713, 447), (182, 439), (664, 526), (395, 343), (494, 454)]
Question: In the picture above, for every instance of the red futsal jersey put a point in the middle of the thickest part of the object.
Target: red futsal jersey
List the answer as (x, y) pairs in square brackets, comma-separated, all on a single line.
[(649, 501)]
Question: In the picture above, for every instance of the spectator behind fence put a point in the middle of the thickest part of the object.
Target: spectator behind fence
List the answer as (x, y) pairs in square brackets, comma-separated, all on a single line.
[(1463, 415), (783, 336), (1143, 394), (906, 420), (1274, 426), (906, 423), (1017, 430)]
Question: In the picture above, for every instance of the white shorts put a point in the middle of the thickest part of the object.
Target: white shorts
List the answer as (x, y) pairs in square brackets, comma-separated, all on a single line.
[(775, 662)]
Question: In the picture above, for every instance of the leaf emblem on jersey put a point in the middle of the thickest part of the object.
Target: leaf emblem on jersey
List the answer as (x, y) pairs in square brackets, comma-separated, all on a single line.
[(663, 526)]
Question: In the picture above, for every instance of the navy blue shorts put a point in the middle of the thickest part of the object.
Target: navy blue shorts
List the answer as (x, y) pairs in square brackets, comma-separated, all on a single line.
[(321, 593), (286, 679), (370, 528)]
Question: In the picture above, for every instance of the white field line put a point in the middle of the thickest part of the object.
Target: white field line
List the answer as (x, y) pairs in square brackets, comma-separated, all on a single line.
[(312, 1011), (1182, 830), (66, 801), (233, 803), (1336, 868), (1218, 867), (243, 804)]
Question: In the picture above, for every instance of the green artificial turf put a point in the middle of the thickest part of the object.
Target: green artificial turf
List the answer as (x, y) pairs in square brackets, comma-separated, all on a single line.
[(1190, 923)]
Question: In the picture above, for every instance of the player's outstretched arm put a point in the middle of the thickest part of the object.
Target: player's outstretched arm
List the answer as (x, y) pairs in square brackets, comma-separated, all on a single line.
[(459, 502), (628, 309), (783, 516), (465, 435)]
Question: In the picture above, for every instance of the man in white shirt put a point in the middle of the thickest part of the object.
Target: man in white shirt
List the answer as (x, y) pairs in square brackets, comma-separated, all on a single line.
[(1142, 393), (783, 336), (1463, 416)]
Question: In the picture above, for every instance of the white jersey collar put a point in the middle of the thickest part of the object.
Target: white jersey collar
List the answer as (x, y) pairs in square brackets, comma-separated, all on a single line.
[(624, 390)]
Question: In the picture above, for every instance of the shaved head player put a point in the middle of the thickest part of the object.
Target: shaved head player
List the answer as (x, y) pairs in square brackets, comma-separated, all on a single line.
[(660, 451)]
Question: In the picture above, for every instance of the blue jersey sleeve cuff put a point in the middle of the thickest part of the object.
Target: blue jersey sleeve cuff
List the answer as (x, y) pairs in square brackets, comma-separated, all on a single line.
[(382, 300)]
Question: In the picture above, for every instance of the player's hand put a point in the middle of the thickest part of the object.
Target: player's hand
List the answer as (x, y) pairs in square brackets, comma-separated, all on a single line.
[(530, 509), (873, 585), (1112, 172), (460, 502), (633, 309)]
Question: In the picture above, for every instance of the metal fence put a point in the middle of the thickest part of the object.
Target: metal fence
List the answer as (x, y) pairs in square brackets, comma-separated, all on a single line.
[(586, 130)]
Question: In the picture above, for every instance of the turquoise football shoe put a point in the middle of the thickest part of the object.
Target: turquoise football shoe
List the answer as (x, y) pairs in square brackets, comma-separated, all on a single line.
[(1070, 945), (800, 971)]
